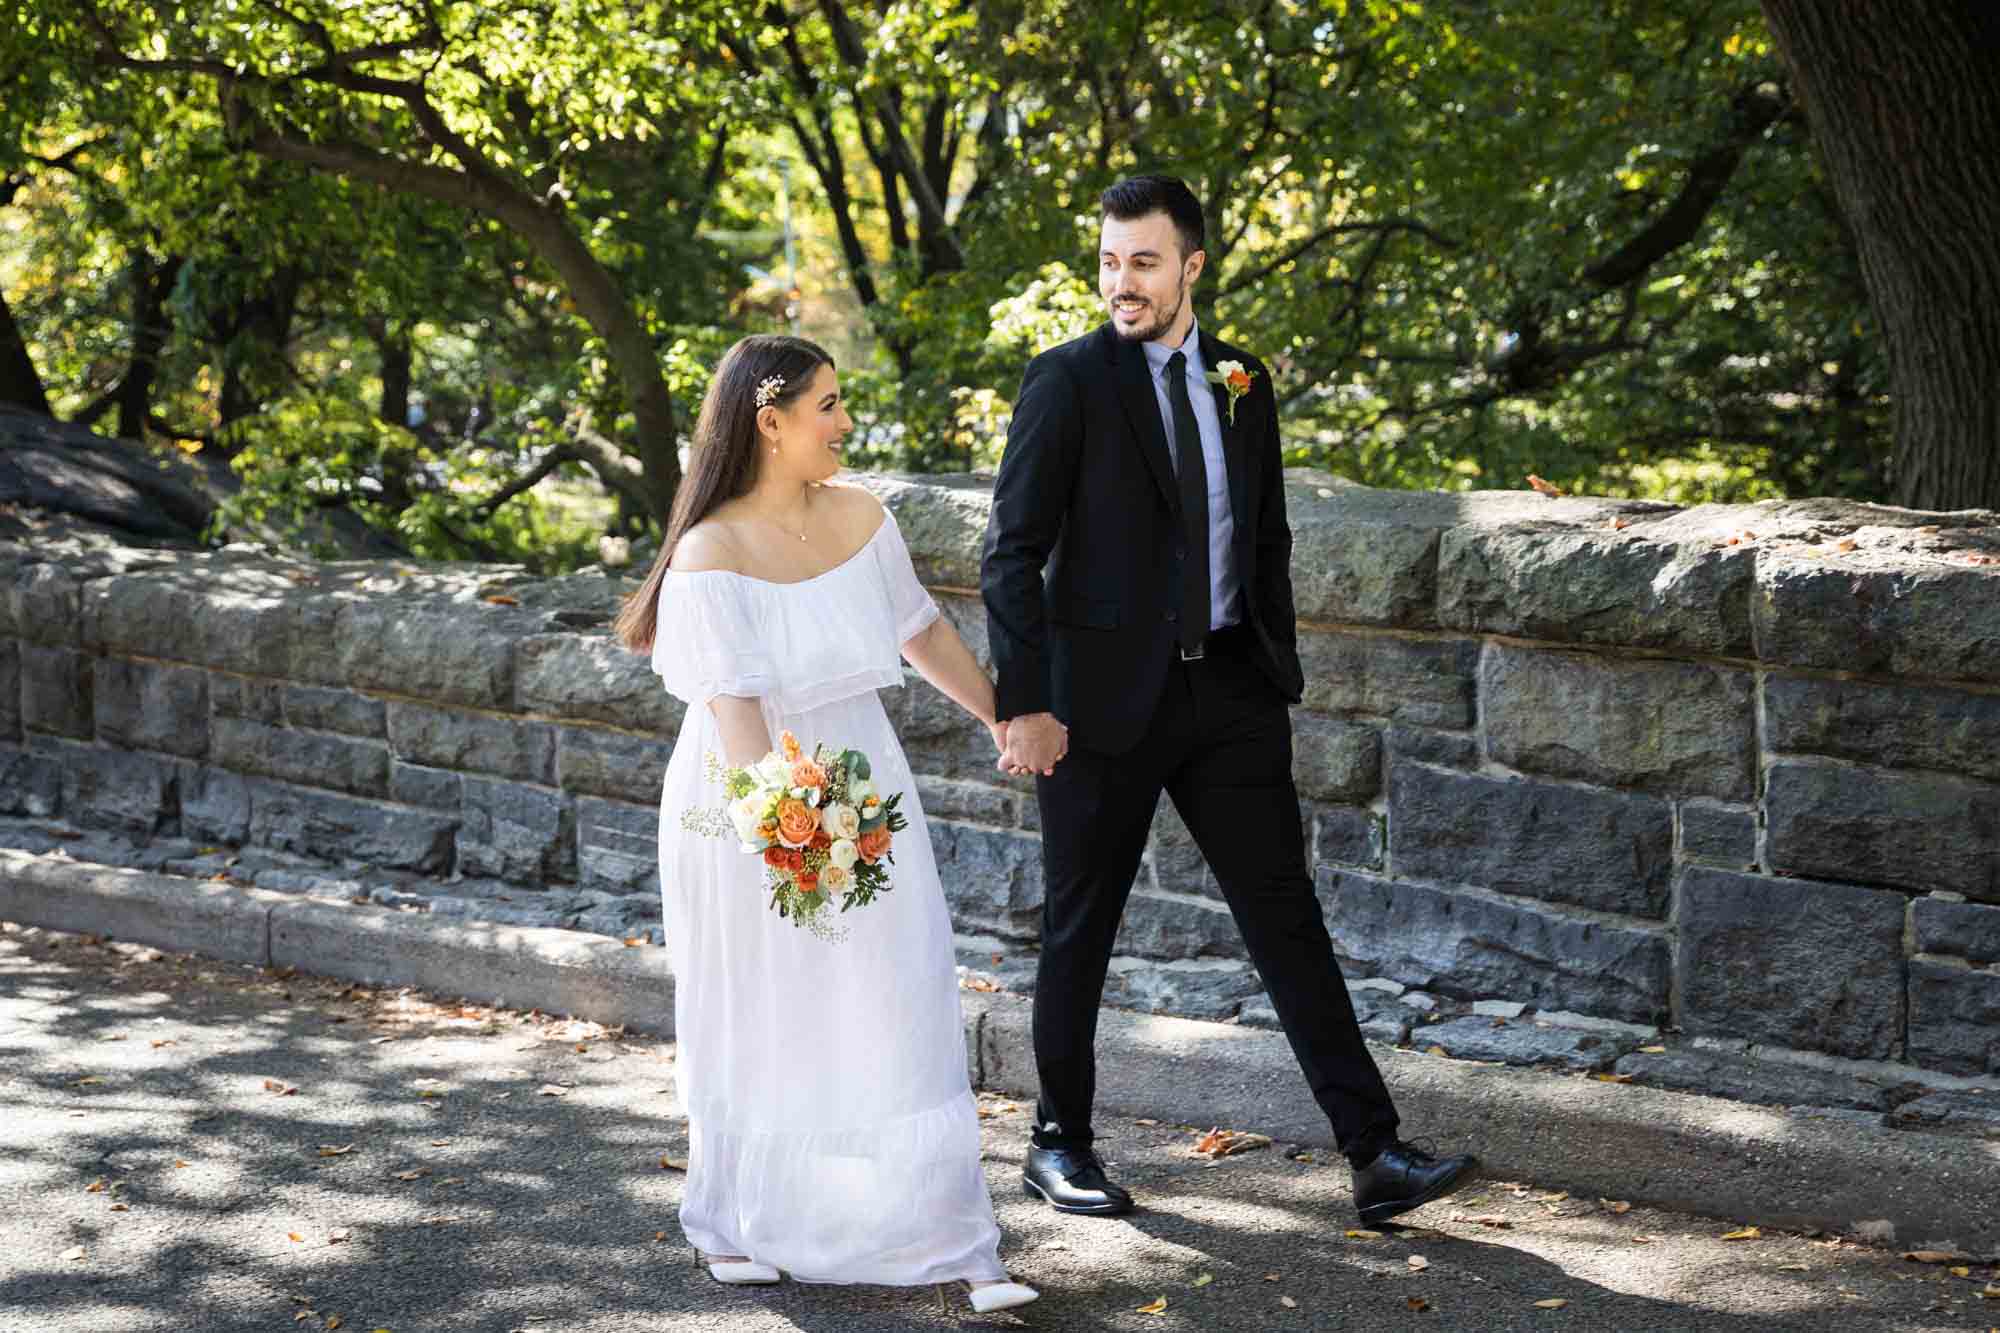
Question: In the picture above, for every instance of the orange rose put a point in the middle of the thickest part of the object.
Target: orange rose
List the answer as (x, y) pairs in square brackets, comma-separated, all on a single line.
[(805, 773), (820, 841), (872, 844), (775, 858), (797, 821), (795, 860), (1239, 381), (808, 884)]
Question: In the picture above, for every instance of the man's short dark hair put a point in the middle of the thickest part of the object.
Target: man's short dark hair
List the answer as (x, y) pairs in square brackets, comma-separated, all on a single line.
[(1136, 196)]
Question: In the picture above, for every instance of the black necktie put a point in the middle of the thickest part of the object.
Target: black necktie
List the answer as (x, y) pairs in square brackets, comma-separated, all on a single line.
[(1194, 507)]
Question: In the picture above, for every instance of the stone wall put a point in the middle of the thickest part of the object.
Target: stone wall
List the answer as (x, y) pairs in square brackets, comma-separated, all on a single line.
[(1606, 766)]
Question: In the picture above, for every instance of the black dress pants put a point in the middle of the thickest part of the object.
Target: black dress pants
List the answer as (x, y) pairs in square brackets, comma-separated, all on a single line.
[(1220, 746)]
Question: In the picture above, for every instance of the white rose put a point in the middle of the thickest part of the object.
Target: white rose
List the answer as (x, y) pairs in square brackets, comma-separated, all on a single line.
[(772, 771), (836, 878), (841, 821), (843, 853), (746, 814), (1228, 368), (859, 790)]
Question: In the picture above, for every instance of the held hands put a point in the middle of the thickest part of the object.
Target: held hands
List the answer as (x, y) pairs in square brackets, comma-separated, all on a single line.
[(1032, 743)]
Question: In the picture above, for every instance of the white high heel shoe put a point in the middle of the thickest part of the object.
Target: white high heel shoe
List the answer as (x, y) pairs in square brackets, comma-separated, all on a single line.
[(992, 1296), (739, 1272)]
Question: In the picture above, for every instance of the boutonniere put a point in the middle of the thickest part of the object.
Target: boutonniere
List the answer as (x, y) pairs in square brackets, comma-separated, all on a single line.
[(1235, 382)]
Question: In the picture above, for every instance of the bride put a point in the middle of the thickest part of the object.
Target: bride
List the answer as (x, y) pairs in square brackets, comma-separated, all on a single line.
[(831, 1125)]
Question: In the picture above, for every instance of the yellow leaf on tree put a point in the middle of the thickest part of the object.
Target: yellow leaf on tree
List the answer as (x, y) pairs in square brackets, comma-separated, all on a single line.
[(1156, 1307)]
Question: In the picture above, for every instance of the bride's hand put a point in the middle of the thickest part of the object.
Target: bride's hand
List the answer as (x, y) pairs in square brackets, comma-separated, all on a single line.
[(998, 730)]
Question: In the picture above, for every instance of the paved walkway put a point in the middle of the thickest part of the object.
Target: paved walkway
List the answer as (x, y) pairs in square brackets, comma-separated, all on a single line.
[(200, 1146)]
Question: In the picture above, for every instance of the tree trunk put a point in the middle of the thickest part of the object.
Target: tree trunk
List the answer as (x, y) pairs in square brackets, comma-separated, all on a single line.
[(150, 326), (1905, 109), (20, 383)]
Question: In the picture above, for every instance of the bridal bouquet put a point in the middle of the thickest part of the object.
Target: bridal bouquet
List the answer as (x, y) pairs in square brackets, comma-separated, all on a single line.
[(823, 831)]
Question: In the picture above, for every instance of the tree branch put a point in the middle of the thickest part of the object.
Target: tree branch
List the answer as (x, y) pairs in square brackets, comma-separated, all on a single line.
[(1383, 228)]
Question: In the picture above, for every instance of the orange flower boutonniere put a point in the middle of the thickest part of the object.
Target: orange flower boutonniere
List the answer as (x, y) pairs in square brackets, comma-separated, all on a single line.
[(1235, 381)]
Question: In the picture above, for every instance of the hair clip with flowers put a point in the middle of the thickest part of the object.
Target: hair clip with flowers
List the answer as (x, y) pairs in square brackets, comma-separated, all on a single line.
[(769, 389)]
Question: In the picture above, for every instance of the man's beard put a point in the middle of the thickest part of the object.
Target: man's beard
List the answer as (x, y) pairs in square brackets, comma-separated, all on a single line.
[(1145, 333)]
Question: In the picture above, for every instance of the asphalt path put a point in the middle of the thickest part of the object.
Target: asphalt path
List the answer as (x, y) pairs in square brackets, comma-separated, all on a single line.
[(192, 1145)]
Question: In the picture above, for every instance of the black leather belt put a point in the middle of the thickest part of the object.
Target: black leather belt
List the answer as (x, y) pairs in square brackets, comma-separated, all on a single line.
[(1229, 639)]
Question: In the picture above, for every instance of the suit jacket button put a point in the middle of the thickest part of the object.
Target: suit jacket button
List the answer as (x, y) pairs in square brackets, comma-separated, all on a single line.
[(1180, 553)]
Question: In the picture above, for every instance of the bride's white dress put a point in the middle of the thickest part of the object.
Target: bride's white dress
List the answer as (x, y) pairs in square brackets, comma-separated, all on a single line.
[(830, 1118)]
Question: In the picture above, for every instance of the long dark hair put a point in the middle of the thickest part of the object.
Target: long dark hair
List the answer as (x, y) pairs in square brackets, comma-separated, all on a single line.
[(723, 462)]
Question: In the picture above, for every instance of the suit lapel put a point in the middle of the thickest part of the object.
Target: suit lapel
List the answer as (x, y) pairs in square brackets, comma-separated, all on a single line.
[(1235, 451), (1142, 408)]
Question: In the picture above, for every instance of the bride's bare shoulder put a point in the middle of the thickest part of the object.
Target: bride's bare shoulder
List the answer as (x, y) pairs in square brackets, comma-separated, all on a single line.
[(857, 506), (709, 545)]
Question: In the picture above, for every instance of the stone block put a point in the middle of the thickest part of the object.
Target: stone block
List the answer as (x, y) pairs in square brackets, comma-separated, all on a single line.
[(1208, 988), (617, 846), (308, 758), (1367, 557), (121, 790), (1606, 850), (1955, 1018), (450, 652), (42, 603), (1335, 761), (1897, 726), (1670, 727), (30, 783), (1920, 831), (1428, 682), (473, 742), (230, 615), (145, 707), (1749, 1078), (10, 689), (433, 788), (1468, 944), (240, 696), (1164, 925), (1793, 962), (992, 879), (55, 691), (968, 616), (594, 762), (1596, 586), (969, 802), (516, 832), (1174, 859), (1349, 835), (1482, 1038), (942, 519), (347, 828), (1895, 619), (1449, 749), (1721, 835), (939, 738), (214, 804), (1973, 1112), (343, 711), (593, 677), (1964, 930)]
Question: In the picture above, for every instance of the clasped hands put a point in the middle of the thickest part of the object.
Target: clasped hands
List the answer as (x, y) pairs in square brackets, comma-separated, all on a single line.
[(1031, 743)]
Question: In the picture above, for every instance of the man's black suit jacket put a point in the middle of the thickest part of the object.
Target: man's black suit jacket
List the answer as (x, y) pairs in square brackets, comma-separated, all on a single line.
[(1085, 549)]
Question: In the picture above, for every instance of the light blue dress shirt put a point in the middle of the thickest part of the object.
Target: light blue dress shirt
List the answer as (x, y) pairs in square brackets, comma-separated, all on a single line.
[(1223, 583)]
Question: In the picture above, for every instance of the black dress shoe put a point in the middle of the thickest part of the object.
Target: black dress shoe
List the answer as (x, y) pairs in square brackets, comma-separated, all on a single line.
[(1073, 1181), (1404, 1176)]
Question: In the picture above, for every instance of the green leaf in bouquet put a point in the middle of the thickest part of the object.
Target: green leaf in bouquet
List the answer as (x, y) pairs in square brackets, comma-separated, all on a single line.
[(857, 764)]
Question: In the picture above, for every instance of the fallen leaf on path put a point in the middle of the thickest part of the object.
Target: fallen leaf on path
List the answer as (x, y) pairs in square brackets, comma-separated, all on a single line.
[(179, 1163), (85, 1081), (1288, 1302), (1417, 1263), (673, 1163), (1436, 1050), (1744, 1233), (552, 1090), (1364, 1235), (111, 1036), (1641, 1238), (1553, 1303), (278, 1086), (95, 1187), (659, 1236), (1227, 1142), (1989, 1292), (1416, 1304), (502, 599), (440, 1143), (295, 1238), (1148, 1123), (411, 1175), (1654, 1050), (73, 1252), (1794, 1268), (1612, 1078), (337, 1236), (1272, 1277), (1547, 488), (1204, 1279), (1614, 1205), (1929, 1256), (1155, 1307), (452, 1180), (1557, 1197), (1493, 1220), (335, 1149), (158, 1042), (121, 1208), (334, 1321)]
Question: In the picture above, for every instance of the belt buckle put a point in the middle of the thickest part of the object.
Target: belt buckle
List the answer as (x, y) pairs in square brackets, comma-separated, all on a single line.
[(1194, 656)]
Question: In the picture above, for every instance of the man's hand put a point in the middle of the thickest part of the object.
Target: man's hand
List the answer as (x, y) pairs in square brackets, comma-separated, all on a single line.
[(1034, 743)]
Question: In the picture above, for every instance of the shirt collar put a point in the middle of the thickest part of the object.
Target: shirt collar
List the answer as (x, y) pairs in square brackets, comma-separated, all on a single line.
[(1157, 353)]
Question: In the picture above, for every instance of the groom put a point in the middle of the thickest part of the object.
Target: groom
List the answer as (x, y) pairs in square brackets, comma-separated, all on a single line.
[(1139, 600)]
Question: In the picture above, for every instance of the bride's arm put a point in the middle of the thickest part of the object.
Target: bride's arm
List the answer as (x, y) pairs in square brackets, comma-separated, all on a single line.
[(942, 658), (745, 738)]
